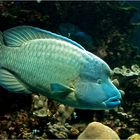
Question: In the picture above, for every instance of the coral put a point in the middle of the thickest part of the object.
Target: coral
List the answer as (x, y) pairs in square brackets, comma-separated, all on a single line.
[(63, 113), (96, 130), (129, 79), (59, 131), (62, 131), (135, 70), (40, 106), (21, 118), (125, 123), (4, 135)]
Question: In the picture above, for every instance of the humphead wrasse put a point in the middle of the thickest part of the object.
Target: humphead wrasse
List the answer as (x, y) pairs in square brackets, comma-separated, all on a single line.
[(33, 60)]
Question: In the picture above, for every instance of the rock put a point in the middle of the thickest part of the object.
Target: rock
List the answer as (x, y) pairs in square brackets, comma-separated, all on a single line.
[(134, 137), (96, 131)]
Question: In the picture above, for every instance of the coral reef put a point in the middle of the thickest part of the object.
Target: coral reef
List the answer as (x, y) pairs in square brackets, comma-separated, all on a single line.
[(132, 75), (62, 131), (110, 31), (125, 124), (135, 70), (58, 130), (40, 106), (96, 130), (63, 113)]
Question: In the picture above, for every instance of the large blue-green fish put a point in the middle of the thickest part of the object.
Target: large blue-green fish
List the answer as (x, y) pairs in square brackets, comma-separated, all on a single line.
[(38, 61)]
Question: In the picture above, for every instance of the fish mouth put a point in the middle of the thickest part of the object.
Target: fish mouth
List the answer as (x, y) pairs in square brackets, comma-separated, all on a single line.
[(113, 102)]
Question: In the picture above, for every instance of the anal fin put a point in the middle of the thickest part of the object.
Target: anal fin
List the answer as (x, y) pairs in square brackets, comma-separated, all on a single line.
[(11, 83)]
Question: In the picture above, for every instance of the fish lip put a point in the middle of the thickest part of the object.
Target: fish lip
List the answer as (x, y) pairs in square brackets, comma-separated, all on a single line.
[(113, 102), (113, 99)]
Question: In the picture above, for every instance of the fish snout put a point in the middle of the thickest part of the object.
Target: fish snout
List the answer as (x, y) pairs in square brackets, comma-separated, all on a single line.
[(114, 96), (113, 101)]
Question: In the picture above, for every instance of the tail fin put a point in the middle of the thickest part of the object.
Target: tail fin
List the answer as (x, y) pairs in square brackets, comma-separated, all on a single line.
[(1, 40)]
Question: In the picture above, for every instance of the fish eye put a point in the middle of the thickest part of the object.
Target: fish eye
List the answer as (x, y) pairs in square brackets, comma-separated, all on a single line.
[(99, 81)]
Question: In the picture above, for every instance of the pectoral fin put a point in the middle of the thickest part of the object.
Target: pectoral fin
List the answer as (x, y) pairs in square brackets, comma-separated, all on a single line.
[(60, 88), (11, 83), (16, 36)]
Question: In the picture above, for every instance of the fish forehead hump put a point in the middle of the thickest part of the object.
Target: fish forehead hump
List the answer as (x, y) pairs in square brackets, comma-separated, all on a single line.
[(56, 50), (95, 68)]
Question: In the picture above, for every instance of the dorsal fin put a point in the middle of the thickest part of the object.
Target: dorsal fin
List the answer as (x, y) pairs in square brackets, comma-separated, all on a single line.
[(18, 35)]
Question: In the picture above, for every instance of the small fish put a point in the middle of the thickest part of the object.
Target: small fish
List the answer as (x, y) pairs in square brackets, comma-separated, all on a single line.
[(67, 29), (33, 60), (73, 32), (84, 39)]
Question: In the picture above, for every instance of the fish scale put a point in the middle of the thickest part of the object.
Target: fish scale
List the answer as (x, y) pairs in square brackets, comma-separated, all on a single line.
[(29, 52)]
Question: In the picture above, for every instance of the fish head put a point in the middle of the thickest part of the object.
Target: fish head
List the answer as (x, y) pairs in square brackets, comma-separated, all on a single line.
[(95, 90), (98, 96)]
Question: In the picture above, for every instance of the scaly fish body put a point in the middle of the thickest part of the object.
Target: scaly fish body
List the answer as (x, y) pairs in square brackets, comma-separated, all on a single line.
[(32, 60), (44, 65), (47, 64)]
